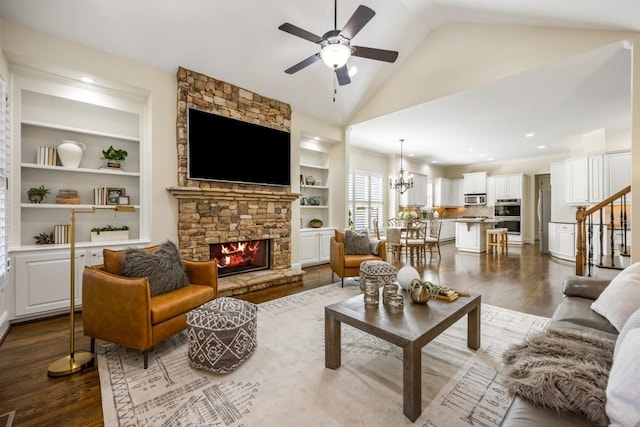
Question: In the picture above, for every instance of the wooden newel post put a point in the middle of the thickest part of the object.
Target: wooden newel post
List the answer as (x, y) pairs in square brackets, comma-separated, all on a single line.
[(580, 241)]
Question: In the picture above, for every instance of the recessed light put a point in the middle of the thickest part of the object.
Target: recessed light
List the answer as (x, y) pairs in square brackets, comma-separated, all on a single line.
[(530, 135), (540, 147), (86, 79), (490, 158), (434, 161), (471, 149), (353, 70)]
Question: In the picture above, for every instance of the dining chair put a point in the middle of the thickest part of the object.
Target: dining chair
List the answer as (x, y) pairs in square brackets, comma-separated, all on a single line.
[(415, 240), (433, 237), (394, 242)]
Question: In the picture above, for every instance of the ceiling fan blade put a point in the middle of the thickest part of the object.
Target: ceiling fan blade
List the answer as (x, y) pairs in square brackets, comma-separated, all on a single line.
[(304, 63), (297, 31), (359, 19), (373, 53), (342, 74)]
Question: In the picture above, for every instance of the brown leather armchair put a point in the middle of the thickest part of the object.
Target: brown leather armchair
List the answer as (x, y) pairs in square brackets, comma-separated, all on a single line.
[(121, 309), (349, 265)]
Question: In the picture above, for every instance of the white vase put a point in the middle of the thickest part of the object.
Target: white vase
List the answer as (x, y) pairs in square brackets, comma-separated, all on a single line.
[(70, 153)]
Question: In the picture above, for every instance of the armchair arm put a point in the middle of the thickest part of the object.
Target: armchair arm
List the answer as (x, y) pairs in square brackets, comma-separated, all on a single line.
[(116, 308), (336, 256), (382, 250), (203, 273), (585, 287)]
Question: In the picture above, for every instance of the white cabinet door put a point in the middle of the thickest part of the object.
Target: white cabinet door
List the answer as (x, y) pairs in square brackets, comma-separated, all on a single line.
[(315, 246), (566, 241), (441, 191), (308, 247), (596, 179), (457, 193), (553, 245), (561, 211), (324, 242), (617, 173), (447, 230), (475, 183), (491, 191), (43, 282), (508, 186)]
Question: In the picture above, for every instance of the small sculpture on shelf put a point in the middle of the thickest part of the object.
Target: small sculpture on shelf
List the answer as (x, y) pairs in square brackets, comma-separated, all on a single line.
[(310, 180), (44, 239), (37, 194), (315, 223)]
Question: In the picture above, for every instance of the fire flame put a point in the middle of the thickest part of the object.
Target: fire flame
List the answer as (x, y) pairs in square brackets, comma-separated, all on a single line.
[(237, 254)]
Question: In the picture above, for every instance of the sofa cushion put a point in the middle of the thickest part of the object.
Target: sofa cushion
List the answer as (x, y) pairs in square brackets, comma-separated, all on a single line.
[(576, 312), (623, 393), (112, 260), (356, 243), (632, 323), (621, 298), (163, 268)]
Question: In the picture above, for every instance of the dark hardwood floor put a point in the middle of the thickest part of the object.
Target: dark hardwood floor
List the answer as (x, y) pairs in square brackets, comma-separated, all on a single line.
[(523, 280)]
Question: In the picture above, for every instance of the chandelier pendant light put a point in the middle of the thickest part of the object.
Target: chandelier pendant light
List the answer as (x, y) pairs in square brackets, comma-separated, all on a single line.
[(400, 182)]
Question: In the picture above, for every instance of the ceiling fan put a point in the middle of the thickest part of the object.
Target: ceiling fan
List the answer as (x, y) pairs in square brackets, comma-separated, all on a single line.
[(335, 45)]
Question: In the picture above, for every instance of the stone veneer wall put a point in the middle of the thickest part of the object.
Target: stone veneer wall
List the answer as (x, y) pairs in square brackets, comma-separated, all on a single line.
[(217, 212)]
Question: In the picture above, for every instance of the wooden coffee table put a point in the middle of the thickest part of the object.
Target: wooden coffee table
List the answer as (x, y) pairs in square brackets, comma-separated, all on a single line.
[(412, 329)]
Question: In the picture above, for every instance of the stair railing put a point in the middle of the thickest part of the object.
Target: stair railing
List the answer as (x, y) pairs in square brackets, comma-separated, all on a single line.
[(584, 239)]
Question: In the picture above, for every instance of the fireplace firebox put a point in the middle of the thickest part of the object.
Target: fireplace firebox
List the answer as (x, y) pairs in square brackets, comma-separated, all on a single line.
[(241, 257)]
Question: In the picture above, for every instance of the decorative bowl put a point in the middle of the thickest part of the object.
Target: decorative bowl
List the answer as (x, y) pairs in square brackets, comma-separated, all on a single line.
[(315, 223)]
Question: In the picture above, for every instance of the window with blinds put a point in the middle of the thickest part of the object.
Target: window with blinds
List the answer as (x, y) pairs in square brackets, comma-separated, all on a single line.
[(365, 198), (4, 143)]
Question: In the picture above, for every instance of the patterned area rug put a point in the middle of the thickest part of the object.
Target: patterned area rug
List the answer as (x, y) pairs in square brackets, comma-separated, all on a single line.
[(285, 383)]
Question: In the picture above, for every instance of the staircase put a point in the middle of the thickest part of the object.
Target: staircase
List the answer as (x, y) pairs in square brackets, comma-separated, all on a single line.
[(603, 234)]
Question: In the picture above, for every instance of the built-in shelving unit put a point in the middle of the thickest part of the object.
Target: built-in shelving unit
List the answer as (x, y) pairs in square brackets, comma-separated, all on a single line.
[(48, 109)]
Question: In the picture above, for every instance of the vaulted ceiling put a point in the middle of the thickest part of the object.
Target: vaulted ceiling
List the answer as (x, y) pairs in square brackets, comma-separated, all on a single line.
[(239, 42)]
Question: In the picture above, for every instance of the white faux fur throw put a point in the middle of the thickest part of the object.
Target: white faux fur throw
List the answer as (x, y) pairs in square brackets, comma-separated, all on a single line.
[(562, 370)]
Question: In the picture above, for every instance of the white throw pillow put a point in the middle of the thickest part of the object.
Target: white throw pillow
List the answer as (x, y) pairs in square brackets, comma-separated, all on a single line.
[(621, 298), (623, 393), (632, 323)]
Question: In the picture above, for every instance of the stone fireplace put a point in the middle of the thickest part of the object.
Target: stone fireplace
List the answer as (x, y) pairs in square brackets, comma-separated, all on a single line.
[(211, 212)]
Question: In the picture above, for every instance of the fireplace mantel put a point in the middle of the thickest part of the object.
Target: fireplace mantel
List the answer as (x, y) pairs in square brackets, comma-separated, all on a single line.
[(231, 193)]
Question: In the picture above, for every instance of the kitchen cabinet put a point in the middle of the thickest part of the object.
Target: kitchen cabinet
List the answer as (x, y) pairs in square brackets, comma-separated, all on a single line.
[(475, 183), (315, 245), (419, 195), (617, 172), (560, 210), (471, 235), (508, 186), (491, 191), (562, 240), (448, 192), (585, 177)]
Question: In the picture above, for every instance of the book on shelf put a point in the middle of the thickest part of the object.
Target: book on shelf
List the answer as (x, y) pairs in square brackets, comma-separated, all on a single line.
[(46, 156), (61, 233)]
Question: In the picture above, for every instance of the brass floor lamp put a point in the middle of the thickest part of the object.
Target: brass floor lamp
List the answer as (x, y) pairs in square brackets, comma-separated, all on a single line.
[(77, 360)]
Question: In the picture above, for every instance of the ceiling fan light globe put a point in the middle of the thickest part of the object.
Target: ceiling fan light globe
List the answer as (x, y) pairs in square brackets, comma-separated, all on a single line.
[(335, 55)]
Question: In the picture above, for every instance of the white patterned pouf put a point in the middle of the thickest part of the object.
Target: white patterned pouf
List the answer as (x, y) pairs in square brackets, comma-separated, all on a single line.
[(386, 273), (222, 334)]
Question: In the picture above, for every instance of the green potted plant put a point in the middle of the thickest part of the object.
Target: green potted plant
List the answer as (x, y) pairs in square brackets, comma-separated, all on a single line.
[(37, 194), (101, 234), (421, 291), (114, 157)]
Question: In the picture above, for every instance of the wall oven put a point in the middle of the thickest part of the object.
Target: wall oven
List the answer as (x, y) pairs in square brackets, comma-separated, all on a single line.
[(507, 213)]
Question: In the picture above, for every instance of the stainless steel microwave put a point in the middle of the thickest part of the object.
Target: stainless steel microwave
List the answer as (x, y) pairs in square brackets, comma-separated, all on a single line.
[(475, 199)]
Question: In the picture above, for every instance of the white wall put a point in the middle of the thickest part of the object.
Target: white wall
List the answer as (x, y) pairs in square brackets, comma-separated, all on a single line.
[(4, 281)]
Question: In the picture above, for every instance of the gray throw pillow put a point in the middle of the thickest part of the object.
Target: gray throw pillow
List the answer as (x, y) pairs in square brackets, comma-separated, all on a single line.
[(356, 243), (163, 268)]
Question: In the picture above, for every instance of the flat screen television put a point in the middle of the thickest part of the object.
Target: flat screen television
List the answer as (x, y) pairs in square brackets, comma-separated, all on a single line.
[(221, 148)]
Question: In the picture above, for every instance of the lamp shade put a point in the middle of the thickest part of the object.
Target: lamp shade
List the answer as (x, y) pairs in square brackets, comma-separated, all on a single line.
[(405, 275), (335, 55)]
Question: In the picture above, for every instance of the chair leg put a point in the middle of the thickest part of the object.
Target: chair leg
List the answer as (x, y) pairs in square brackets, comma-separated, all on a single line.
[(146, 358), (93, 345), (342, 278)]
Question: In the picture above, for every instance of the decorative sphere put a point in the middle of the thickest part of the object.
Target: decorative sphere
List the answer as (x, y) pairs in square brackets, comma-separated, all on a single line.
[(405, 275)]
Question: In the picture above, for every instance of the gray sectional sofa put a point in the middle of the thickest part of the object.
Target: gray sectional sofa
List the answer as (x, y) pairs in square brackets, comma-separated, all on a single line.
[(573, 312)]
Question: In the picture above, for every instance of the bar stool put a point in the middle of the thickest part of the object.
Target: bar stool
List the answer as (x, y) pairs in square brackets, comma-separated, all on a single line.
[(497, 238)]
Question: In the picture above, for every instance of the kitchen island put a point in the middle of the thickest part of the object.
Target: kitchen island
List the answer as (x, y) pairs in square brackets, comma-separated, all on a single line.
[(471, 234)]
